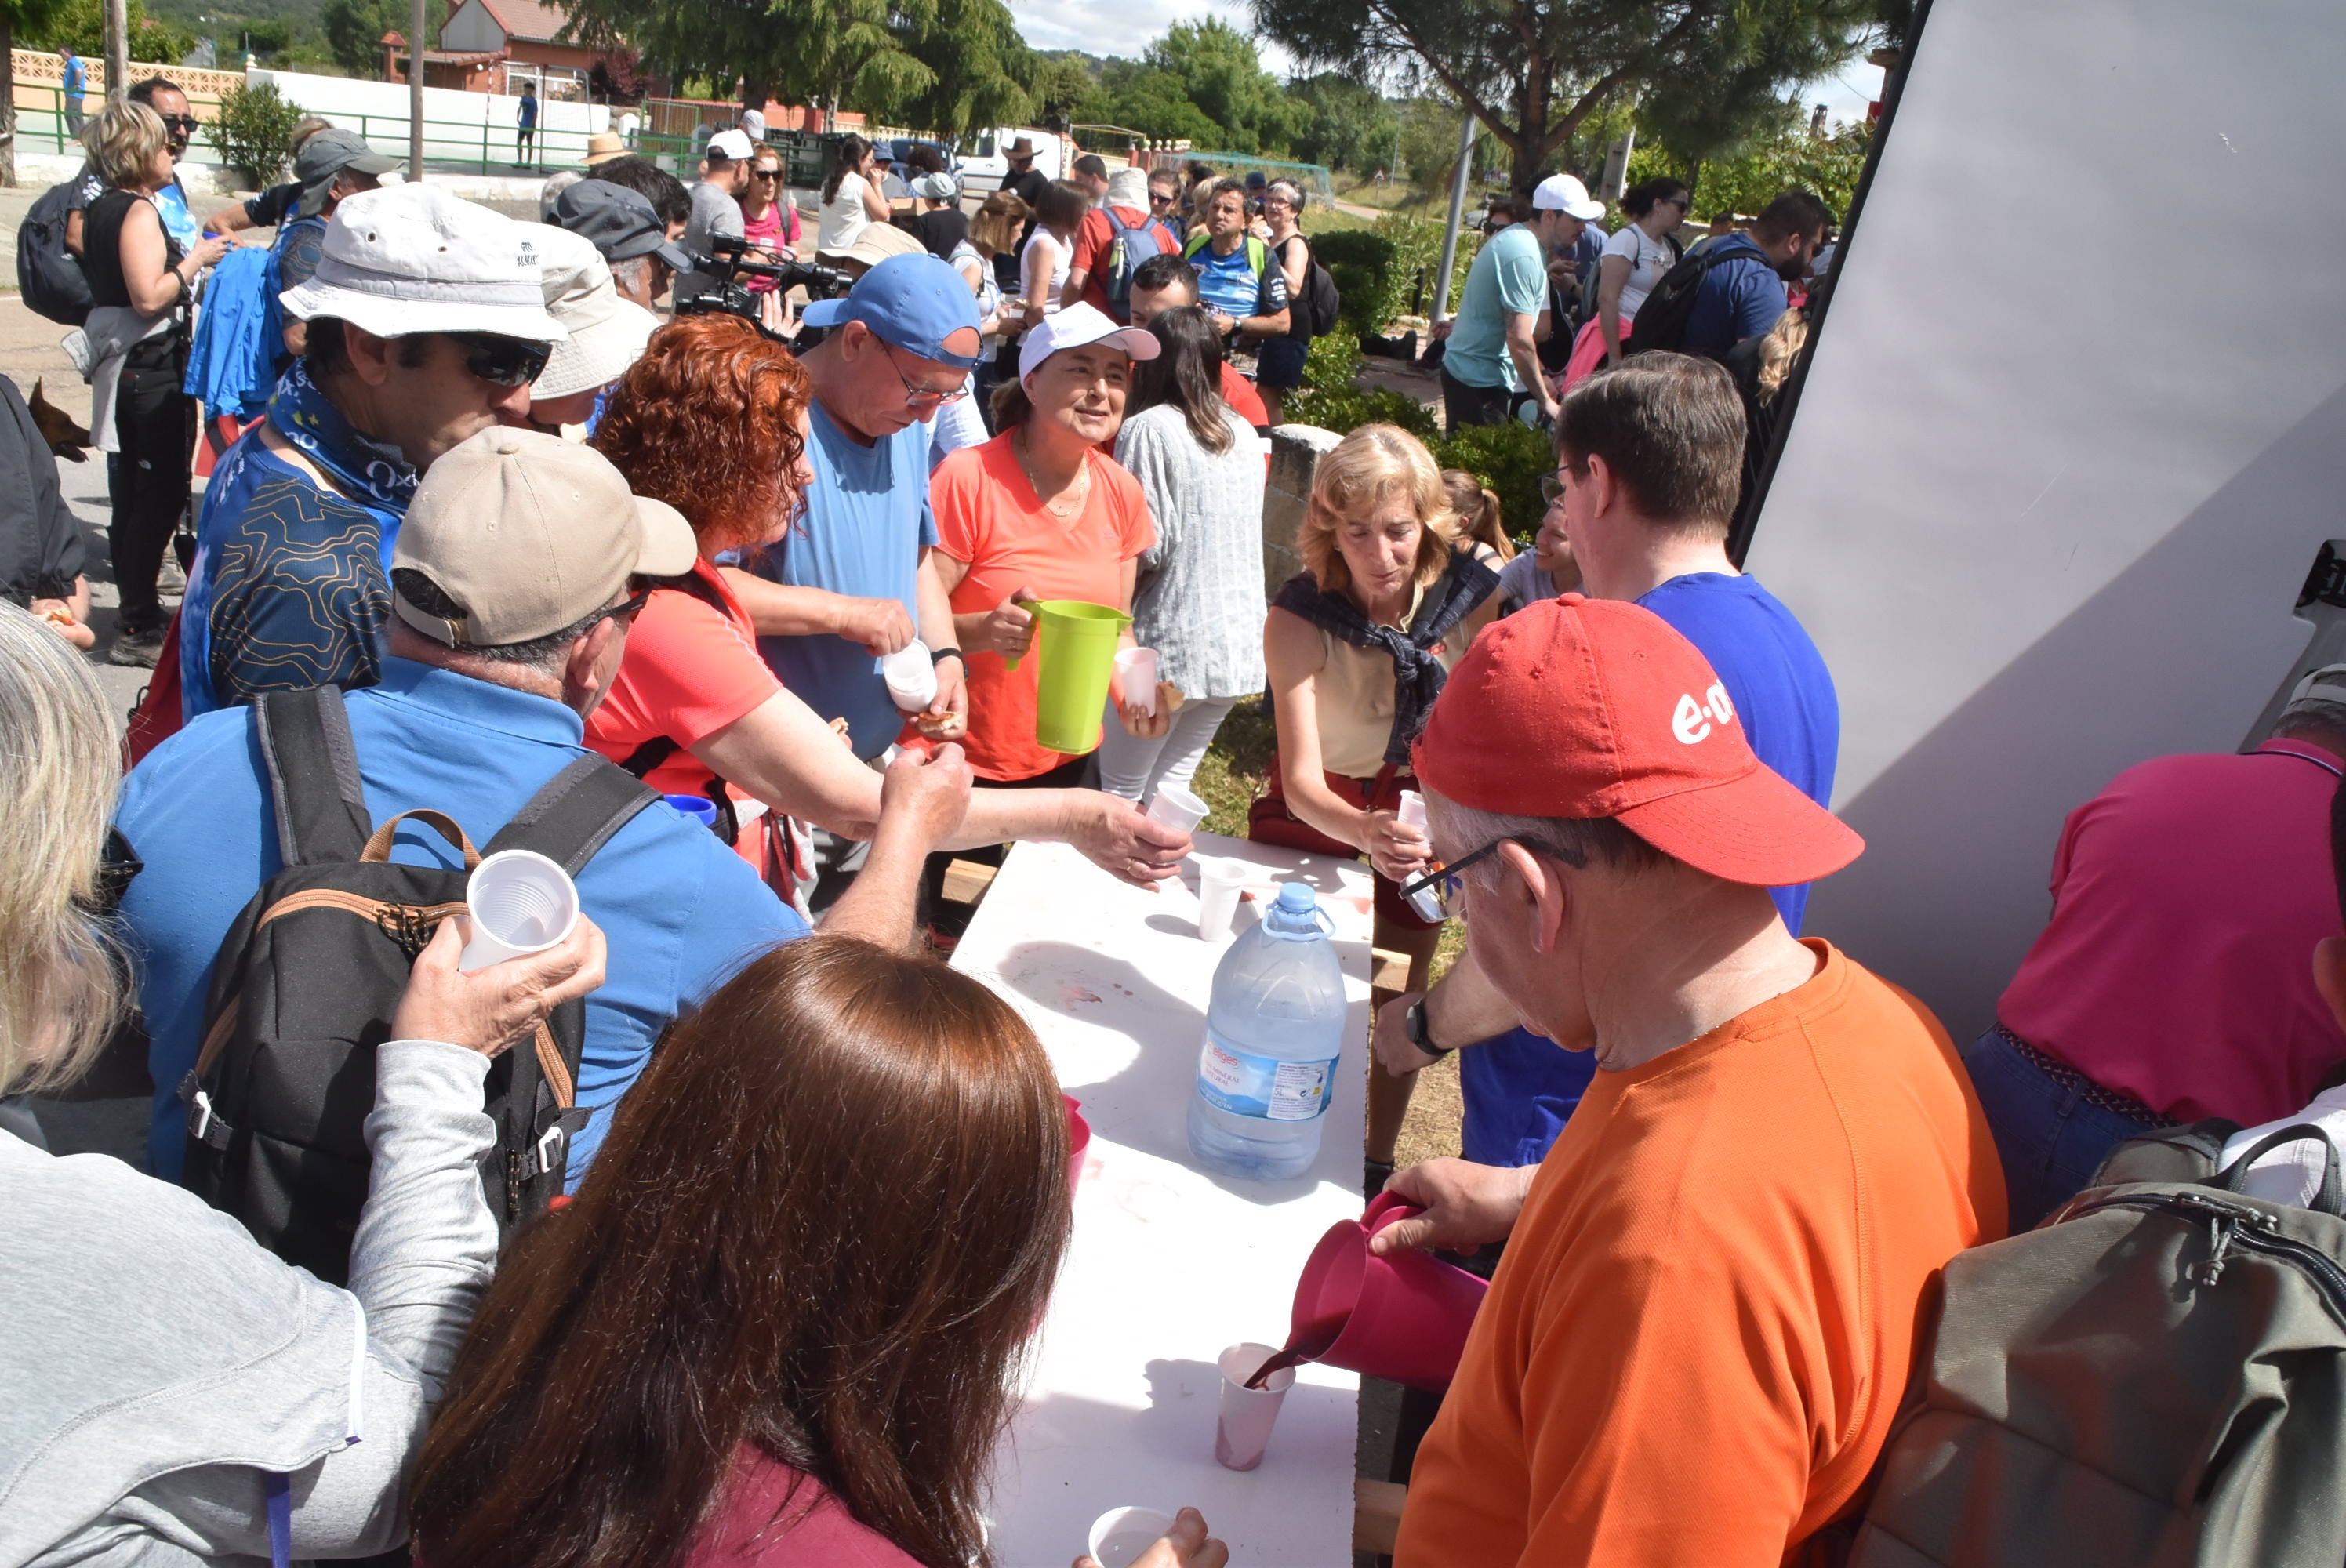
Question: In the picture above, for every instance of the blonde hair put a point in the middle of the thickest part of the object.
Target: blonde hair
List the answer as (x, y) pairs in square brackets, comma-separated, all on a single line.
[(59, 973), (1366, 466), (1779, 349), (995, 227), (125, 140), (1480, 519)]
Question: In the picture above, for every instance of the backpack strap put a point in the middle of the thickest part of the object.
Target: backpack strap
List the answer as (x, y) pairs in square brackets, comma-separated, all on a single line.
[(575, 813), (313, 776), (2328, 1199)]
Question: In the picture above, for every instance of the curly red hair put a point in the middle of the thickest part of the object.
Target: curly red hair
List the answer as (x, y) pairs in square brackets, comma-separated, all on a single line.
[(708, 420)]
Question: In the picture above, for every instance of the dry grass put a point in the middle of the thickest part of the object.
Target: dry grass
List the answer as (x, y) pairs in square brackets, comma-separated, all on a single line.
[(1227, 781)]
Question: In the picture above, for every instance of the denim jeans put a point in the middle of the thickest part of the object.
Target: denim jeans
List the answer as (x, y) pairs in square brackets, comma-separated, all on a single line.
[(2050, 1137)]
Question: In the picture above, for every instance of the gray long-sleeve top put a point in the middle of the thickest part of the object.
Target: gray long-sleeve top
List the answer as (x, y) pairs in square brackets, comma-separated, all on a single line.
[(1199, 598), (156, 1365)]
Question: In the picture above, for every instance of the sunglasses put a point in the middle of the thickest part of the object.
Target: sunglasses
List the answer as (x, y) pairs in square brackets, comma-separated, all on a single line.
[(922, 397), (765, 174), (626, 610), (501, 360), (1159, 199), (1449, 892), (181, 126)]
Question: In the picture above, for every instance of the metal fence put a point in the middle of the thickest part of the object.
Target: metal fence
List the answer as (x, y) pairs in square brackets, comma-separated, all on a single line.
[(1315, 179)]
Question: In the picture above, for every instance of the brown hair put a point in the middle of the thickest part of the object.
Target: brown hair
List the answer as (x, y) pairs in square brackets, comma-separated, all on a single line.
[(708, 420), (824, 1223), (1364, 465), (1670, 427), (1062, 205), (1480, 520), (995, 227)]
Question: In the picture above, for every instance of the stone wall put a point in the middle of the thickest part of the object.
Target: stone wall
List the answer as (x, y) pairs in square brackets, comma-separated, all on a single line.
[(1295, 454)]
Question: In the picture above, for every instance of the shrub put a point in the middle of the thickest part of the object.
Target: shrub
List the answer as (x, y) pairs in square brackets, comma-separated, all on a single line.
[(254, 132), (1361, 262)]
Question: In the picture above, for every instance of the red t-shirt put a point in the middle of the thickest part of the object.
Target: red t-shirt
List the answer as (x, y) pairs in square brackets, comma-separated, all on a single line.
[(2177, 966), (690, 670), (772, 1514), (989, 516), (1096, 234), (1239, 394)]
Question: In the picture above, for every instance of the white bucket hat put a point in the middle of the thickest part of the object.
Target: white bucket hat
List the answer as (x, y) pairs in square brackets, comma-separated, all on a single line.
[(606, 333), (411, 257), (1078, 326)]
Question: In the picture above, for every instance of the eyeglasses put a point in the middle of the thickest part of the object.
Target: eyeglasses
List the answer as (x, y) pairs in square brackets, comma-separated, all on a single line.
[(180, 125), (1449, 892), (1681, 202), (1552, 486), (922, 397), (1159, 199), (501, 360), (626, 609)]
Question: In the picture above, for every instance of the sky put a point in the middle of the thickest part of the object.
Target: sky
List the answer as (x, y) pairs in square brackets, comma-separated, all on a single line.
[(1126, 28)]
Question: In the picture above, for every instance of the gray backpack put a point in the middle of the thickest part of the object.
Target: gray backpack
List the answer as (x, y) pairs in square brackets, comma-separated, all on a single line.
[(2156, 1376)]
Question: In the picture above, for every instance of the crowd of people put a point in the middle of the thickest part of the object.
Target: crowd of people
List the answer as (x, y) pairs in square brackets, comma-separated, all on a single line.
[(498, 531)]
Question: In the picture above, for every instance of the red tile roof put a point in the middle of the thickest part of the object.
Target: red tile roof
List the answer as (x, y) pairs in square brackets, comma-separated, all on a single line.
[(528, 20)]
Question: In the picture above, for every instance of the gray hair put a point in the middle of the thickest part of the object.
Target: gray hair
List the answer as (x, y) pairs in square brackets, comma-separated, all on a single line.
[(1578, 841), (60, 968), (2319, 715), (1293, 192), (547, 655)]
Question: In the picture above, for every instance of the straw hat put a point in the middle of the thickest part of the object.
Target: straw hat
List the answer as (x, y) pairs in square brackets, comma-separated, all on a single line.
[(603, 147)]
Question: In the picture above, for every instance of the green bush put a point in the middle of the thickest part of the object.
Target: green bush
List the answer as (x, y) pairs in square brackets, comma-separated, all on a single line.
[(254, 132), (1361, 262), (1509, 459)]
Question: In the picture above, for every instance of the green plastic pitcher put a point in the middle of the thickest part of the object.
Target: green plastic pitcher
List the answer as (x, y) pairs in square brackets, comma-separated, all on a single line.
[(1077, 643)]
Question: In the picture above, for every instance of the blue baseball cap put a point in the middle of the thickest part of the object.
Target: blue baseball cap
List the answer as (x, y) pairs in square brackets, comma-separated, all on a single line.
[(916, 302)]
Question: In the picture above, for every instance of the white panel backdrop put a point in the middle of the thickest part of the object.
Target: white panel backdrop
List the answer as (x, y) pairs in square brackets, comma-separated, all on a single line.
[(2074, 429)]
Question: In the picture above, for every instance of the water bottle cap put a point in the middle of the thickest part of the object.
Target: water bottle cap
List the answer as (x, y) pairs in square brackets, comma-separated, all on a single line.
[(1296, 898)]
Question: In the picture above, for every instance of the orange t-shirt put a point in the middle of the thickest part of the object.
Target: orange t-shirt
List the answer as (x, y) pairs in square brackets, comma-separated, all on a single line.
[(1702, 1328), (690, 670), (989, 516)]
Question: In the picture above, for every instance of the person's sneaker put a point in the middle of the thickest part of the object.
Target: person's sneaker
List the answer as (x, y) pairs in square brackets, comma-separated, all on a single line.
[(139, 648), (171, 583)]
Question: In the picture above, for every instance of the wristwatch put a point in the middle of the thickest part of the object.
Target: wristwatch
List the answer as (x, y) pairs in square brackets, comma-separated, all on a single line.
[(1413, 1020), (938, 656)]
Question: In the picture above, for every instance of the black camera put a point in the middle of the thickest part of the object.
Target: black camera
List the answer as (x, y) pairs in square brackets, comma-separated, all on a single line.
[(729, 295)]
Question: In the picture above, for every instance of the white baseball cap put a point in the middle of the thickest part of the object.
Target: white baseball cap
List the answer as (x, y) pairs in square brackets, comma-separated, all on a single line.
[(1562, 193), (411, 257), (1078, 326), (732, 144), (606, 333)]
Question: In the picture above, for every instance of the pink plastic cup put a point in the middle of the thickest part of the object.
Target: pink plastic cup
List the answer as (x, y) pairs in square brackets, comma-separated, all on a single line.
[(1404, 1317)]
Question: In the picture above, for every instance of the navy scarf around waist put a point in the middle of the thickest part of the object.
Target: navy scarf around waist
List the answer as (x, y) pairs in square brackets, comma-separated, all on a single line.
[(1417, 674)]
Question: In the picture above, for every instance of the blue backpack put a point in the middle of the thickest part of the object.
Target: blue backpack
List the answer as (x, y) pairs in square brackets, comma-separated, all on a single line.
[(1128, 246)]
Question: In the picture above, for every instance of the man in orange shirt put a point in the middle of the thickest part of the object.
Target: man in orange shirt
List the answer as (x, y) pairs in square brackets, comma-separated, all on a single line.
[(1701, 1327)]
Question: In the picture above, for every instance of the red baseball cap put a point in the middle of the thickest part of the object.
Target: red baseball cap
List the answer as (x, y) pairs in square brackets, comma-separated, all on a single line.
[(1597, 708)]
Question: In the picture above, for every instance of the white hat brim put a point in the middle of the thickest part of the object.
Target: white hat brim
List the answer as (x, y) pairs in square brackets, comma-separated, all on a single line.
[(405, 318), (597, 353)]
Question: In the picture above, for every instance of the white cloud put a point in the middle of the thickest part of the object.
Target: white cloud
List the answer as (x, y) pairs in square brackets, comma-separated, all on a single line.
[(1129, 26)]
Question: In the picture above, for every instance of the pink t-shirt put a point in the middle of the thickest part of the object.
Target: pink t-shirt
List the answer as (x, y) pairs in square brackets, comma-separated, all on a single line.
[(2178, 962), (774, 1517)]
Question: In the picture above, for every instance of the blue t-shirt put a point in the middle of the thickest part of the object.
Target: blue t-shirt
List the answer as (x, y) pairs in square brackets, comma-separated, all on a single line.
[(1520, 1088), (1741, 296), (682, 911), (1782, 692), (527, 112), (74, 79), (867, 521), (1231, 285), (1509, 278)]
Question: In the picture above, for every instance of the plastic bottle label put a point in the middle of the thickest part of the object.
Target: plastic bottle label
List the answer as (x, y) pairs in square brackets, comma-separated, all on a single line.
[(1234, 1081)]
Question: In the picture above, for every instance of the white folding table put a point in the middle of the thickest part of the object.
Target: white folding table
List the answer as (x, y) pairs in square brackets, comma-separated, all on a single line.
[(1168, 1264)]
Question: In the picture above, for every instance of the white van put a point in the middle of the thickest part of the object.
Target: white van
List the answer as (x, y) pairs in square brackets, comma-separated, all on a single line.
[(984, 166)]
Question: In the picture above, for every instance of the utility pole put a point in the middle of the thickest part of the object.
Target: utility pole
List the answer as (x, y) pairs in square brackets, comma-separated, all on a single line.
[(1458, 217), (118, 50), (417, 22)]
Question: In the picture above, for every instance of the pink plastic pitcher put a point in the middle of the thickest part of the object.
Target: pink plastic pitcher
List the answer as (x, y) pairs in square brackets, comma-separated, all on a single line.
[(1403, 1317), (1079, 1140)]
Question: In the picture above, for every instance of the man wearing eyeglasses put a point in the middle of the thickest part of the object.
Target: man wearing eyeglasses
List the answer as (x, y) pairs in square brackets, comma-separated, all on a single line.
[(1693, 1350), (170, 105), (426, 323)]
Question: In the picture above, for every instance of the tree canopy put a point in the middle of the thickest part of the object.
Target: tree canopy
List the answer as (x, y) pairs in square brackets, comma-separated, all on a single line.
[(1350, 124), (1701, 73), (1202, 80)]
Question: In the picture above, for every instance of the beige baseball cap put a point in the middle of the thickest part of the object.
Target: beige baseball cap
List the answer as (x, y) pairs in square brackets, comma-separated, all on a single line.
[(530, 533)]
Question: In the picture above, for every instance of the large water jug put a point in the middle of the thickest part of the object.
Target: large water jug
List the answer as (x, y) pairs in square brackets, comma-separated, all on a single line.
[(1274, 1031)]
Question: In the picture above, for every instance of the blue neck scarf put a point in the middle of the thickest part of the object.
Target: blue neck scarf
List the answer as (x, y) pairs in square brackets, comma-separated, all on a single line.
[(360, 464)]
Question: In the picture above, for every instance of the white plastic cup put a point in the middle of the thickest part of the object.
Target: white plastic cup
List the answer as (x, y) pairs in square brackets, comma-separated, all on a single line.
[(912, 676), (1122, 1535), (1242, 1430), (1412, 809), (1135, 674), (520, 902), (1219, 881), (1410, 812), (1176, 807)]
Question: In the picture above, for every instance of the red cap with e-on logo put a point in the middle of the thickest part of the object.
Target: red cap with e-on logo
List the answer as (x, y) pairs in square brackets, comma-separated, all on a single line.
[(1594, 708)]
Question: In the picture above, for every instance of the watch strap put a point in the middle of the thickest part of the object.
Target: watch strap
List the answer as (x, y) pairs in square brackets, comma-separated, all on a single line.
[(1421, 1034), (937, 656)]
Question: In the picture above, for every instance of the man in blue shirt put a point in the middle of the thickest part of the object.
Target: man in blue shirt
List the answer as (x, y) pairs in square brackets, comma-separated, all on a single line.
[(1742, 292), (425, 321), (1491, 352), (1649, 461), (72, 84), (513, 617), (1239, 283)]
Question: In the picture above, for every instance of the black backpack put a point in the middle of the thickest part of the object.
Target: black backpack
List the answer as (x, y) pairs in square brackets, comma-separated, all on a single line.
[(1314, 313), (1662, 319), (310, 974), (48, 276)]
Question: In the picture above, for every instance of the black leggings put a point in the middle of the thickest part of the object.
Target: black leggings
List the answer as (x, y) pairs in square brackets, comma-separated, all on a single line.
[(155, 427)]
